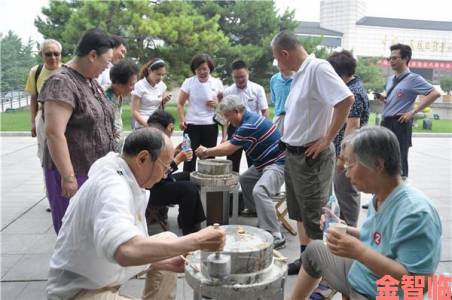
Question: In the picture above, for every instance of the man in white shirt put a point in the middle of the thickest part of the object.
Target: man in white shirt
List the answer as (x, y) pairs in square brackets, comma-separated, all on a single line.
[(104, 242), (253, 98), (316, 108), (119, 53)]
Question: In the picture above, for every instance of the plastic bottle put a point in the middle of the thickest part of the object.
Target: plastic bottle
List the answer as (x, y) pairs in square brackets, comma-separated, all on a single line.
[(186, 144), (332, 214)]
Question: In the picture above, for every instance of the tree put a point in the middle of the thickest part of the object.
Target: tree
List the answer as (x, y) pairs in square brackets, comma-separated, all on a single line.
[(170, 29), (16, 61), (446, 84), (250, 26), (371, 75)]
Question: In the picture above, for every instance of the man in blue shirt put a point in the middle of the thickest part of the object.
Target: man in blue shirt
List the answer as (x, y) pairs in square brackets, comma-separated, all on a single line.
[(400, 93), (279, 89), (260, 140)]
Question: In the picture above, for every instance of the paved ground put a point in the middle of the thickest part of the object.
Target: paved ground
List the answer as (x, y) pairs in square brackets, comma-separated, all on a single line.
[(27, 236)]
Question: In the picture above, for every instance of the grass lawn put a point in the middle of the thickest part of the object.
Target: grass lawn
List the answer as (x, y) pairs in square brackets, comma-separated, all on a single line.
[(20, 121)]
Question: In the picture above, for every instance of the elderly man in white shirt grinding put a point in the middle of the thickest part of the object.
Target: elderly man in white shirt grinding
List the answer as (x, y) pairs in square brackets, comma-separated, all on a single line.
[(316, 108), (104, 239)]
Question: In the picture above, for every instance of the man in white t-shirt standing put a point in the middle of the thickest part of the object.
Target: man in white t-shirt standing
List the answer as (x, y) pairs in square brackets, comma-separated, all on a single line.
[(316, 108), (119, 53), (253, 98)]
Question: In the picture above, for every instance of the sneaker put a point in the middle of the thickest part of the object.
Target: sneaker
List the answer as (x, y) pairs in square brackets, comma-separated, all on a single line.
[(365, 206), (248, 213), (294, 267), (279, 243), (323, 291)]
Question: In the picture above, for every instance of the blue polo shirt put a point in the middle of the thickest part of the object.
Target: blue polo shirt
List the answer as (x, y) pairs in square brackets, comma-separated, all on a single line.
[(279, 88), (260, 139), (406, 228), (404, 94)]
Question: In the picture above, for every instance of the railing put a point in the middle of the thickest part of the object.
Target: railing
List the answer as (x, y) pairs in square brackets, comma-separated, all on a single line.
[(13, 100)]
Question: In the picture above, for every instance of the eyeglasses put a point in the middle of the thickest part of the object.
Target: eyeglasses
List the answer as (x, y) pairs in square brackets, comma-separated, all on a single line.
[(50, 54), (393, 58), (167, 167), (348, 166)]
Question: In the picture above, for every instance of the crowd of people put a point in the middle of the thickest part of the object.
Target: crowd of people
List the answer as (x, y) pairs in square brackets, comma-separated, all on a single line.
[(101, 185)]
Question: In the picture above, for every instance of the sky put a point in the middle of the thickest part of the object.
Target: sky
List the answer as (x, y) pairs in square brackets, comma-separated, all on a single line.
[(19, 15)]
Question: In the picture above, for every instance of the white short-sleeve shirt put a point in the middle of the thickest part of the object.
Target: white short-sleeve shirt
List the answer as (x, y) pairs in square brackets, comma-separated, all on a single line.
[(150, 97), (198, 113), (104, 78), (252, 96), (107, 211), (316, 89)]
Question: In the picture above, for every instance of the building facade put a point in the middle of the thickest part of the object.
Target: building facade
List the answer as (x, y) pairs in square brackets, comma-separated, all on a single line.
[(345, 22)]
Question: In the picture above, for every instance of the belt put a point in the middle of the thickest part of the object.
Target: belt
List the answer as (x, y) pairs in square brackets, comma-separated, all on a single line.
[(292, 149)]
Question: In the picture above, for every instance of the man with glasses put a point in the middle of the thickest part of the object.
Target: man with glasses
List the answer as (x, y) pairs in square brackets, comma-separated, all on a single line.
[(263, 180), (50, 52), (104, 239), (401, 91)]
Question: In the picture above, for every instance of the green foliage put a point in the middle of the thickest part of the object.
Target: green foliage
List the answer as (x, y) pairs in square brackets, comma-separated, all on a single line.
[(16, 61), (312, 45), (371, 75), (446, 84), (250, 26)]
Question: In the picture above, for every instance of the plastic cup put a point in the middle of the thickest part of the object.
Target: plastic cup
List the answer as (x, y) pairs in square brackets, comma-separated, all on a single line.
[(339, 227)]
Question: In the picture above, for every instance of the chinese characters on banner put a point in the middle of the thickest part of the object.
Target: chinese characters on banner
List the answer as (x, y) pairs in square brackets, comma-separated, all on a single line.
[(437, 287)]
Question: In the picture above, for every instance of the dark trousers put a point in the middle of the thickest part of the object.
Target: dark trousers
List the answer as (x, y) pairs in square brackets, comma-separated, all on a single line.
[(403, 132), (183, 193), (205, 135), (236, 157)]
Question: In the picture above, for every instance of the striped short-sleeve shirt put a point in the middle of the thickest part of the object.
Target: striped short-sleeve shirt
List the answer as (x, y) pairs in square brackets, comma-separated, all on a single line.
[(260, 139)]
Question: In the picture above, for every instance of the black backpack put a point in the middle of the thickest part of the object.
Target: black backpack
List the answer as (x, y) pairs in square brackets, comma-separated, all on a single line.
[(38, 71)]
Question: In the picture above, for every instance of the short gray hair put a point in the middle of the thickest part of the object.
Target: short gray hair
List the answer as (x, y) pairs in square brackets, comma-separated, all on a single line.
[(48, 42), (231, 103), (371, 144), (149, 139), (285, 40)]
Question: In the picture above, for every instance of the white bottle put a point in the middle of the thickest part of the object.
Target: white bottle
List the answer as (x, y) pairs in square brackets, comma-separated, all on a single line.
[(332, 215), (186, 144)]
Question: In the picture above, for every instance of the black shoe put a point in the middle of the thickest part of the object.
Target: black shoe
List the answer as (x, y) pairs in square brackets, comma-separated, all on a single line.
[(248, 213), (279, 243), (294, 267), (48, 209), (365, 206)]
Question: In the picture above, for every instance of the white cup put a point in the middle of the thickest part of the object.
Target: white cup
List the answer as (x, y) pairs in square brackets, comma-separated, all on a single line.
[(339, 227)]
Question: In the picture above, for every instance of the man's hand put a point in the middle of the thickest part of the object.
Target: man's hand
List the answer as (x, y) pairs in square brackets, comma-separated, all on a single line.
[(212, 103), (210, 239), (314, 150), (201, 152), (406, 117), (344, 245), (33, 129), (173, 264), (69, 186), (183, 125)]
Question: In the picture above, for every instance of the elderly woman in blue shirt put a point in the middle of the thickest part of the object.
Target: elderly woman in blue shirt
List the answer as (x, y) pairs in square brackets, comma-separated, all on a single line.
[(401, 235)]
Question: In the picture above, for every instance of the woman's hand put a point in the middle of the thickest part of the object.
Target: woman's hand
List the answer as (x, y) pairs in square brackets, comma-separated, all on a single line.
[(183, 156), (69, 186), (166, 97), (344, 245)]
